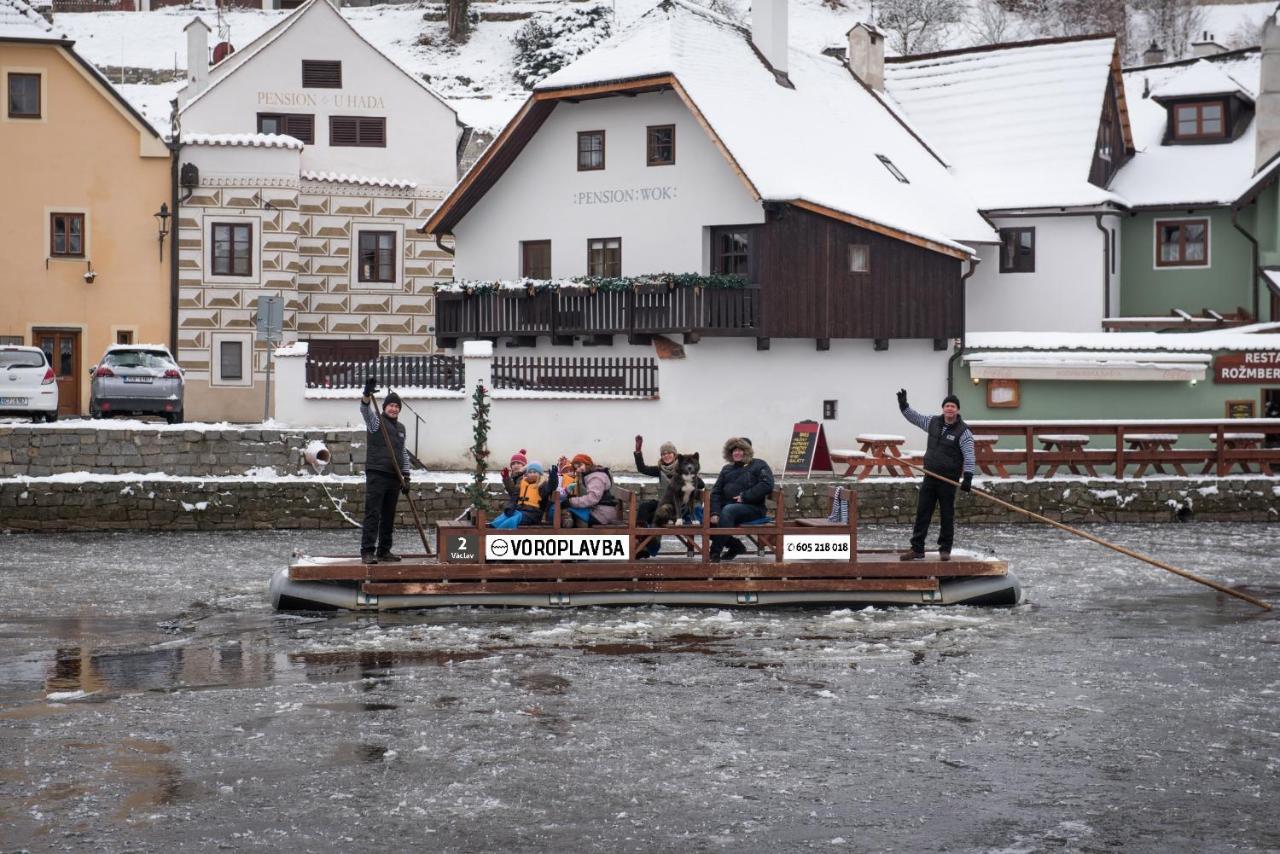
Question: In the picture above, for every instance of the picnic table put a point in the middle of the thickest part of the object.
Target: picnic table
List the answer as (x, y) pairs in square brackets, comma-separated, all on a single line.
[(1072, 445), (1239, 442), (880, 450), (984, 452), (1154, 442)]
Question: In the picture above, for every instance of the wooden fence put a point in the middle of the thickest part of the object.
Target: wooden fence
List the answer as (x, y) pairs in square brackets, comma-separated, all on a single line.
[(606, 375), (435, 371)]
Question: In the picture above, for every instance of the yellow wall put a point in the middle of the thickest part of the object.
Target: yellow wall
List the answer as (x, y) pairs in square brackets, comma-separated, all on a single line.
[(84, 154)]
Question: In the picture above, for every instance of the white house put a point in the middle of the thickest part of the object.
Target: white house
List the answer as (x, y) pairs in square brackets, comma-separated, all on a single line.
[(1035, 132), (308, 159)]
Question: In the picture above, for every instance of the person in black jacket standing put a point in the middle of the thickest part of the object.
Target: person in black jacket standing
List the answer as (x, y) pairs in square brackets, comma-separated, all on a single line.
[(738, 495), (382, 486), (950, 454)]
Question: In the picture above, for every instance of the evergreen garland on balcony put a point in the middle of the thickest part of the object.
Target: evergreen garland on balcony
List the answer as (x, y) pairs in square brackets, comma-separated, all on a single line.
[(594, 284), (479, 449)]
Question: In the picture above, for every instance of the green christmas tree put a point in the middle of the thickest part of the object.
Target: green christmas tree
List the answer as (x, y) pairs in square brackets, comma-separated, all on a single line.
[(479, 449)]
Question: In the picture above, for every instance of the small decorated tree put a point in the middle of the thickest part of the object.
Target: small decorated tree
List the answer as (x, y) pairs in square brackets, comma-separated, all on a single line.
[(480, 447)]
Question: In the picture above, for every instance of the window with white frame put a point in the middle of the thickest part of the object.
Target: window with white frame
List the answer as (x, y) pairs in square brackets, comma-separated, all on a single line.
[(377, 252), (231, 362)]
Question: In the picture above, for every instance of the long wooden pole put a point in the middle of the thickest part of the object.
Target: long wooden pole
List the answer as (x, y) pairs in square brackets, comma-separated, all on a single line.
[(1079, 533), (395, 462)]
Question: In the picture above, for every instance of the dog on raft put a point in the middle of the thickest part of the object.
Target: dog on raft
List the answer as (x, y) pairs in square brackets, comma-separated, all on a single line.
[(684, 492)]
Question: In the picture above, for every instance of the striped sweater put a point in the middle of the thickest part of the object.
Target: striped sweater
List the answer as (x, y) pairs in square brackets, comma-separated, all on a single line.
[(966, 438)]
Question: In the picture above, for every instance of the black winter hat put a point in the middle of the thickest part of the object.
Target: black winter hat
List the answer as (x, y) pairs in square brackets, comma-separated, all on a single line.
[(951, 398), (391, 397)]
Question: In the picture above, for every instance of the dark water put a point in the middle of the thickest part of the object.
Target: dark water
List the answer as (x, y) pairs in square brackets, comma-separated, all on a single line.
[(151, 701)]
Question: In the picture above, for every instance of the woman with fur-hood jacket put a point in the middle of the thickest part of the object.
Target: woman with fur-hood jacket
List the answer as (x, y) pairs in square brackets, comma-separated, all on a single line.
[(738, 495)]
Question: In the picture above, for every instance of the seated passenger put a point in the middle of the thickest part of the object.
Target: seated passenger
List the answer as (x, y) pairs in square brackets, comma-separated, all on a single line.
[(592, 502), (533, 494), (568, 482), (738, 495)]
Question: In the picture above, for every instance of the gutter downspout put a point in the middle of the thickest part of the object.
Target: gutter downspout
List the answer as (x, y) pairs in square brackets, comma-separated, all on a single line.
[(1256, 265), (441, 246), (951, 363), (1106, 264)]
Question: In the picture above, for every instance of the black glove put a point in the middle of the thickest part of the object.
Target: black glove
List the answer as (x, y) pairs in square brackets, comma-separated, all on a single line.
[(639, 443), (370, 386), (966, 485), (902, 398), (404, 487)]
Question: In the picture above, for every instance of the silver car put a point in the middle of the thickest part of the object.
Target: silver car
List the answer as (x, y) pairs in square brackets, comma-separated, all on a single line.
[(27, 384), (136, 379)]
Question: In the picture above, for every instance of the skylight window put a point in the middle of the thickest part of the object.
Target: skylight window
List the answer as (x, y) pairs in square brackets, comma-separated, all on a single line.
[(893, 170)]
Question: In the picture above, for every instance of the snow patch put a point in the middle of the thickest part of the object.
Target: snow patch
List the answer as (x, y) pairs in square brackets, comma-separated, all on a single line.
[(199, 505)]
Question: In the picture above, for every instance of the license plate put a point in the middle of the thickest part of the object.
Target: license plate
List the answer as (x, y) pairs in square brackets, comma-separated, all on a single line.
[(13, 401), (137, 379)]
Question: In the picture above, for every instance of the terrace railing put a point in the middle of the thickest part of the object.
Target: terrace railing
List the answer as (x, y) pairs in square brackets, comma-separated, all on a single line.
[(434, 371), (566, 312), (604, 375)]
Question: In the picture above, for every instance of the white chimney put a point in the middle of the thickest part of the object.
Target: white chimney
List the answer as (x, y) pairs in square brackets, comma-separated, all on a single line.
[(1267, 107), (197, 56), (866, 55), (769, 31), (1206, 46)]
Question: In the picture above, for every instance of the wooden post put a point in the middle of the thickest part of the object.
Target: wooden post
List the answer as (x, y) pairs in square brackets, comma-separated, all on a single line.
[(853, 526), (778, 500), (706, 525), (1120, 452), (1031, 452)]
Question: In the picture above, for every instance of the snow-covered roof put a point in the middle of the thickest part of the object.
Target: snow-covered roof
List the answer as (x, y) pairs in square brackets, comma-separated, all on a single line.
[(337, 178), (1086, 357), (1212, 174), (240, 57), (18, 20), (1257, 336), (1018, 124), (1202, 78), (816, 142), (257, 140)]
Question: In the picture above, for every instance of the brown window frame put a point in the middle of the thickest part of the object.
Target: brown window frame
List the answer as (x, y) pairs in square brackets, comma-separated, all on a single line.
[(1199, 106), (321, 74), (231, 259), (591, 133), (527, 268), (1181, 261), (721, 253), (65, 231), (601, 268), (378, 275), (866, 248), (1016, 266), (650, 146), (363, 128), (23, 75), (300, 126)]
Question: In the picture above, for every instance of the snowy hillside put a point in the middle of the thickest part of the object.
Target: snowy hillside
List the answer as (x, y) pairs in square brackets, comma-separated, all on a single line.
[(478, 77)]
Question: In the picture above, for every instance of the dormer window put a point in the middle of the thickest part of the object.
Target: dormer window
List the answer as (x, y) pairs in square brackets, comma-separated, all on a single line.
[(1199, 120)]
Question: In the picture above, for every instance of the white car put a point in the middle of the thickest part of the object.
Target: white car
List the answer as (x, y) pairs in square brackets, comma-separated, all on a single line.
[(27, 384)]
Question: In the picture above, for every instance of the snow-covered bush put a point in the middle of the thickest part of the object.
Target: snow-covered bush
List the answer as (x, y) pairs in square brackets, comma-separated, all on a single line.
[(546, 44)]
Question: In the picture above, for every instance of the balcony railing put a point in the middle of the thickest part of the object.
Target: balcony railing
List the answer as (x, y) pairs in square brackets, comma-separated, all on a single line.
[(617, 375), (434, 371), (576, 311)]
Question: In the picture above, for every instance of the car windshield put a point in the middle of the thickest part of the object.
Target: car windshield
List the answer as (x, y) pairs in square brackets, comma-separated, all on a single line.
[(21, 359), (137, 359)]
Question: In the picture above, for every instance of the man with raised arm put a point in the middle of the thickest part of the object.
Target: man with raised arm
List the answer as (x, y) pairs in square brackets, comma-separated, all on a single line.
[(382, 485), (950, 454)]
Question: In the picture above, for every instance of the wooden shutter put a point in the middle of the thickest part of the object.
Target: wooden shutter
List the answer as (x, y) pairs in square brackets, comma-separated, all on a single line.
[(301, 127), (343, 130), (321, 74)]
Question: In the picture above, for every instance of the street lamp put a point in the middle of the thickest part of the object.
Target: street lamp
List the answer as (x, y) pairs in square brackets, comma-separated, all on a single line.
[(162, 217)]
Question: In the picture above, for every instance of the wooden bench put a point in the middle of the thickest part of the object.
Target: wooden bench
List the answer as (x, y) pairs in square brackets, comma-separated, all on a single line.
[(1153, 443), (984, 453), (1072, 445), (850, 458)]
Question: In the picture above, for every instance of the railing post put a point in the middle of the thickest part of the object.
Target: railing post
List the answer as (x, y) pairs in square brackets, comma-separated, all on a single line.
[(1031, 453), (1120, 452)]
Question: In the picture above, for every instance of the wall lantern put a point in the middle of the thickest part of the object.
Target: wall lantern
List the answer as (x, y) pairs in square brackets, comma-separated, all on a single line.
[(162, 218)]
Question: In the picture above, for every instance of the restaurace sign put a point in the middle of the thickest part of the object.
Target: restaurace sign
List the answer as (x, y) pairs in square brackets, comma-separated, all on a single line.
[(1250, 367)]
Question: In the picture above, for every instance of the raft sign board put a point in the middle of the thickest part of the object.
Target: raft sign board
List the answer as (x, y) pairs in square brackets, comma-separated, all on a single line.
[(553, 547), (815, 547), (808, 450), (1254, 366)]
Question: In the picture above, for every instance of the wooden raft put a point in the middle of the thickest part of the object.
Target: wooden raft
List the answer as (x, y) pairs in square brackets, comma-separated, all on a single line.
[(689, 570)]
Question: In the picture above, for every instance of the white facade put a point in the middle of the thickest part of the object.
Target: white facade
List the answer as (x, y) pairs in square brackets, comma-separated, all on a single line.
[(265, 77), (722, 388), (1066, 293), (660, 212)]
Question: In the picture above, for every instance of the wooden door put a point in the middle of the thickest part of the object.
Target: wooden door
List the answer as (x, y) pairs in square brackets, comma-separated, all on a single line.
[(62, 349)]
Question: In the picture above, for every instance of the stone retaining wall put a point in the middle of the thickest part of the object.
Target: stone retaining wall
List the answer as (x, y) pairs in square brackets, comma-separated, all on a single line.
[(39, 451), (48, 504)]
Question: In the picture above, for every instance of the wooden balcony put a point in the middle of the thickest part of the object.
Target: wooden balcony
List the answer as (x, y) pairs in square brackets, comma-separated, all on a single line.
[(568, 312)]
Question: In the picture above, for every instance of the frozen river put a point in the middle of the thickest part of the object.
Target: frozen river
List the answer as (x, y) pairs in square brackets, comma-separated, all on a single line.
[(151, 701)]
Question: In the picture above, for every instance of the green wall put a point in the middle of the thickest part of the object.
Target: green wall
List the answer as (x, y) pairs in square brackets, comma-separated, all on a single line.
[(1224, 285)]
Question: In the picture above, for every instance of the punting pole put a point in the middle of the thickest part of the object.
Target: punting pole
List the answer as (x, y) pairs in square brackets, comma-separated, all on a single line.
[(391, 449), (1079, 533)]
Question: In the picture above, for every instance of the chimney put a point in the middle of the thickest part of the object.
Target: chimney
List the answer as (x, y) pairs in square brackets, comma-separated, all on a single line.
[(1207, 46), (197, 56), (769, 32), (1267, 107), (866, 55), (1153, 55)]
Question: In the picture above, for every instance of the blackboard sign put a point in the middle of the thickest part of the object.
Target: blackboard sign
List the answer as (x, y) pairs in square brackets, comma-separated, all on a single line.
[(808, 450)]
